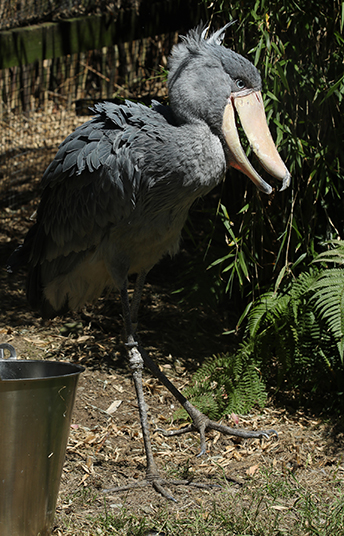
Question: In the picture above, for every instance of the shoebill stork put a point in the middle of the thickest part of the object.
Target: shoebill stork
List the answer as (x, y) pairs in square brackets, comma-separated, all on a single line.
[(117, 194)]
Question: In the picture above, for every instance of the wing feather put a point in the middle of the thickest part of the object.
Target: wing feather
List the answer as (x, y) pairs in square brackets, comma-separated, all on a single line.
[(93, 182), (93, 185)]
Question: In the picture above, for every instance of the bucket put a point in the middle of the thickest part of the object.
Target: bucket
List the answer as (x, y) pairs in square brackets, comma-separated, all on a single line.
[(36, 402)]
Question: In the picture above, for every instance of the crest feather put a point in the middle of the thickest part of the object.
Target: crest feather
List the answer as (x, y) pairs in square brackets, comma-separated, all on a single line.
[(217, 37)]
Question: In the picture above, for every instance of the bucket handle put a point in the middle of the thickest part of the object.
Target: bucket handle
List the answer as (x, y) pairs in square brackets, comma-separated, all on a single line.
[(10, 348)]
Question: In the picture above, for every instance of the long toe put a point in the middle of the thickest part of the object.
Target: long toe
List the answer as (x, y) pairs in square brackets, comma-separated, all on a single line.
[(201, 424), (237, 432), (161, 486)]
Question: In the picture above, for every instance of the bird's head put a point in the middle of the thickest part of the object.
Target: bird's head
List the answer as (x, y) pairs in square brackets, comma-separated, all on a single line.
[(211, 83)]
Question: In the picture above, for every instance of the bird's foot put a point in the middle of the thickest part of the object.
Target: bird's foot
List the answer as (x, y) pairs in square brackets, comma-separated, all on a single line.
[(201, 424), (160, 485)]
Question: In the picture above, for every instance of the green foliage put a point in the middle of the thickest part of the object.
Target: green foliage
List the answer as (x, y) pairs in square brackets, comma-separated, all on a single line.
[(328, 300), (238, 258), (298, 48), (293, 341), (296, 333), (225, 384)]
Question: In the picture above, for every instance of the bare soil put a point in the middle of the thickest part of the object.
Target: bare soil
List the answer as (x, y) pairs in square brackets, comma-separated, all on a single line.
[(105, 447)]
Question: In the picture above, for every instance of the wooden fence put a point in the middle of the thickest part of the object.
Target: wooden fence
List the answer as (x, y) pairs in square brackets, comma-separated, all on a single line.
[(96, 56), (126, 70)]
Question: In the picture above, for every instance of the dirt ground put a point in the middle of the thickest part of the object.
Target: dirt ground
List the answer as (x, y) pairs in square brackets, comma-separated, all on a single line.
[(105, 447)]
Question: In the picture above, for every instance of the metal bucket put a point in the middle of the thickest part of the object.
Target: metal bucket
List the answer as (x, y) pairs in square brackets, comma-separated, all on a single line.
[(36, 402)]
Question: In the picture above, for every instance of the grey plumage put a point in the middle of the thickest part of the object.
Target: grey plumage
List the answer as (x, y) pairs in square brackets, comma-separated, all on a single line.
[(116, 198), (117, 194)]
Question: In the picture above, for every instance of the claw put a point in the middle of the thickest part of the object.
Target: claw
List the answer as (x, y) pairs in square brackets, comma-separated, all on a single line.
[(202, 430), (203, 451), (268, 433), (180, 431), (201, 424), (158, 487)]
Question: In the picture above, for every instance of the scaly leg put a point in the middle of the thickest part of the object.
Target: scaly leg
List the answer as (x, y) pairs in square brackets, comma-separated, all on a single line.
[(200, 422), (136, 364), (136, 300)]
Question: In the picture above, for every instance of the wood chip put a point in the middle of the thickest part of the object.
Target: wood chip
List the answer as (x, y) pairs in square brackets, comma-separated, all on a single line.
[(252, 470), (114, 406)]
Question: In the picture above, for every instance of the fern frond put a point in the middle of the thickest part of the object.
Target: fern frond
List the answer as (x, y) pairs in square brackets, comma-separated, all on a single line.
[(224, 384), (329, 303), (303, 284), (335, 255), (268, 305)]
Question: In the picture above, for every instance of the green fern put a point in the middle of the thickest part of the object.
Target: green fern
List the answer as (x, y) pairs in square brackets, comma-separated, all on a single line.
[(225, 384), (334, 255), (297, 332), (329, 304), (329, 298), (294, 339)]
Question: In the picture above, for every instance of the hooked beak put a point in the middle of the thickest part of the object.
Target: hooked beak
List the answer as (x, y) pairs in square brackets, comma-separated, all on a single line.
[(250, 109)]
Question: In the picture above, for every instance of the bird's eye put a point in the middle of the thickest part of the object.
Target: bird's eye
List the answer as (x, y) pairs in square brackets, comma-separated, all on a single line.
[(240, 83)]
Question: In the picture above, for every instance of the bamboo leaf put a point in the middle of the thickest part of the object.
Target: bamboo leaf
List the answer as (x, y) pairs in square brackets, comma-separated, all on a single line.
[(333, 88), (283, 76), (280, 277)]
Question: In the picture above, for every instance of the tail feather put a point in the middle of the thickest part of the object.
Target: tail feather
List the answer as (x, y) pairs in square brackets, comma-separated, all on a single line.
[(71, 290), (63, 283)]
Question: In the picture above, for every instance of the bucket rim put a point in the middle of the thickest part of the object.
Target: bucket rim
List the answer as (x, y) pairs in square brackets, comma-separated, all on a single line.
[(77, 369)]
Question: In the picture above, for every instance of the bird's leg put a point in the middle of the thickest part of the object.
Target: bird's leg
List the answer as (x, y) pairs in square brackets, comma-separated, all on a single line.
[(136, 299), (136, 364), (200, 422)]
